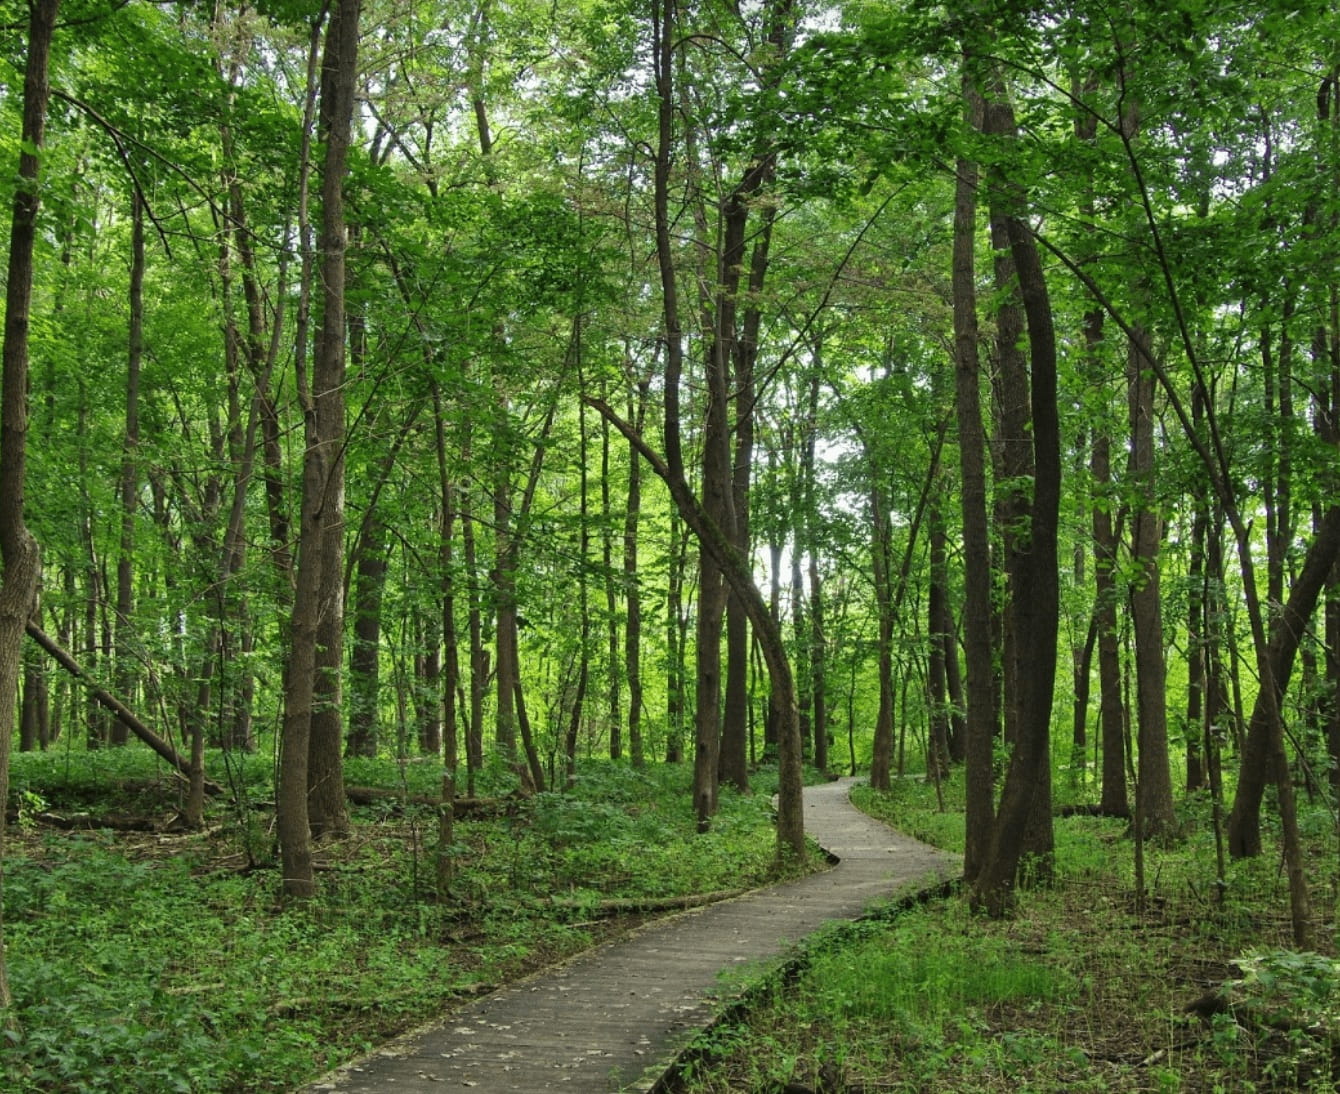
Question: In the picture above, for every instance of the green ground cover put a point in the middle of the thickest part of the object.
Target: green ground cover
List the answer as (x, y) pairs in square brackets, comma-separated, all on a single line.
[(1085, 988), (162, 961)]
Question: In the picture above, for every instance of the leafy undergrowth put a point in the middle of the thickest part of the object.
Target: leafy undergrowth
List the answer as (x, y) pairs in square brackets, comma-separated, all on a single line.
[(162, 961), (1084, 988)]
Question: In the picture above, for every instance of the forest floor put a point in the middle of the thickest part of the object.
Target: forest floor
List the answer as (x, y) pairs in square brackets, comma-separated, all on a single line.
[(1086, 987), (163, 960)]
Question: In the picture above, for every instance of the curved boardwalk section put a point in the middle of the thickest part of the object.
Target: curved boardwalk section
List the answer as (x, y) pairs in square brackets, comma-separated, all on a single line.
[(613, 1018)]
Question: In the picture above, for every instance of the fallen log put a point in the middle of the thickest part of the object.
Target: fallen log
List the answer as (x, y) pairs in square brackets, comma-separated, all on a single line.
[(633, 904), (119, 710), (88, 822), (461, 807)]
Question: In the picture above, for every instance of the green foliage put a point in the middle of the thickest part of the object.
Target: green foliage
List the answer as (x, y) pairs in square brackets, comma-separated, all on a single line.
[(911, 806), (918, 993), (1288, 987), (617, 832), (126, 969)]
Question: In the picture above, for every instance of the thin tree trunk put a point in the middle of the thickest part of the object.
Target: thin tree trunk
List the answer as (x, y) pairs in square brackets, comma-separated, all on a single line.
[(632, 590), (808, 532), (1114, 800), (614, 666), (584, 593), (1197, 642), (451, 666), (882, 756), (479, 654), (675, 640), (125, 587), (937, 760), (1259, 755)]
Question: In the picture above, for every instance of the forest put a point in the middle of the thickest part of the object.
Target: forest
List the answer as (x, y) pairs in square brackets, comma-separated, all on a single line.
[(443, 438)]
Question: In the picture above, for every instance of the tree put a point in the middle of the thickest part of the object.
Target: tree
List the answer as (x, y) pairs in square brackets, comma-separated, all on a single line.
[(318, 596), (20, 560)]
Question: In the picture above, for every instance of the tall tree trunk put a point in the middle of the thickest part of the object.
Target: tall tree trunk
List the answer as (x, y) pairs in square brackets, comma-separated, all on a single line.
[(808, 531), (1153, 788), (20, 560), (937, 606), (323, 487), (125, 587), (799, 609), (613, 662), (1015, 478), (1197, 642), (503, 577), (734, 765), (584, 592), (479, 653), (980, 720), (722, 559), (1034, 594), (451, 665)]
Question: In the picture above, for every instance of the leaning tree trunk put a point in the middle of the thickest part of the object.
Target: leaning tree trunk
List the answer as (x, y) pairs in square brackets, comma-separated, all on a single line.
[(1259, 757)]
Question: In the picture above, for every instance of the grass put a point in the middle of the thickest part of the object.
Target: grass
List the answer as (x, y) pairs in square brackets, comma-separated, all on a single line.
[(162, 961), (1084, 988)]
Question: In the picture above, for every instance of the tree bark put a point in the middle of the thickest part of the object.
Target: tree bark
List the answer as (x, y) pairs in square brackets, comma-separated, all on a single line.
[(881, 759), (125, 589), (1035, 596), (675, 639), (20, 559), (613, 660), (980, 720), (632, 590), (322, 479), (1153, 789), (1114, 800), (809, 527), (365, 656)]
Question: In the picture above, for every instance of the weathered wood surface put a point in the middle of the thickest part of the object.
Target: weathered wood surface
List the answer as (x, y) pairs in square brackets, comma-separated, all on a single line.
[(615, 1017)]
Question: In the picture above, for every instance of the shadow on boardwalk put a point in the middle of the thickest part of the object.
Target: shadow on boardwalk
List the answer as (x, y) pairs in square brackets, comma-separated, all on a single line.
[(616, 1016)]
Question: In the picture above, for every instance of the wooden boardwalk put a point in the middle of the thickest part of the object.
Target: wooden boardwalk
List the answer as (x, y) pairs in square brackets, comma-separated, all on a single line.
[(615, 1017)]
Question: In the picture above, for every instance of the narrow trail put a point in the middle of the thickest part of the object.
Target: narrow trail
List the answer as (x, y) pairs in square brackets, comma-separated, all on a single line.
[(616, 1016)]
